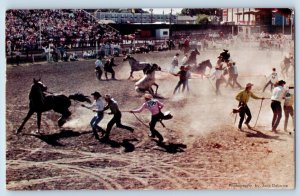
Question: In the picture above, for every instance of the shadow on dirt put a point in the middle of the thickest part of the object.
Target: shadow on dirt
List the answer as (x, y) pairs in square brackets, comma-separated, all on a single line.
[(172, 147), (259, 134), (52, 139), (129, 147)]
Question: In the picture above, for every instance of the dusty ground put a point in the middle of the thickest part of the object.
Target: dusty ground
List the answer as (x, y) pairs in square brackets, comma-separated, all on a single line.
[(203, 149)]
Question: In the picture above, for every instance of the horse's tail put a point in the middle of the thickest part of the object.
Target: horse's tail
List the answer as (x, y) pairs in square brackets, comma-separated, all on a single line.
[(80, 97)]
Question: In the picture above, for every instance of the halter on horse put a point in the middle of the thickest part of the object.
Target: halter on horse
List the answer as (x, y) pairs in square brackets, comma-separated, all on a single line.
[(201, 68), (136, 65), (145, 84), (39, 103)]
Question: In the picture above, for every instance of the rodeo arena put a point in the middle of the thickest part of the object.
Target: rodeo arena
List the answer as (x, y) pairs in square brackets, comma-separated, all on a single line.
[(94, 105)]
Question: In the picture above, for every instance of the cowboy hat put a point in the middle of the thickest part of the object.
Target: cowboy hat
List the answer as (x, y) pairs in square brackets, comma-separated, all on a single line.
[(97, 94), (249, 85)]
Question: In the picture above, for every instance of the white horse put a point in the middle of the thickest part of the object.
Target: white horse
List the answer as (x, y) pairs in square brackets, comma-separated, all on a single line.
[(136, 65), (145, 83)]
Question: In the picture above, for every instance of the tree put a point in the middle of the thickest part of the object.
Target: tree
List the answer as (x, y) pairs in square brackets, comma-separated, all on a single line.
[(202, 19), (206, 11)]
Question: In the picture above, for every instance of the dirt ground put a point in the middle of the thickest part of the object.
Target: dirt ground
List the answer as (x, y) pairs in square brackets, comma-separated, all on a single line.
[(203, 148)]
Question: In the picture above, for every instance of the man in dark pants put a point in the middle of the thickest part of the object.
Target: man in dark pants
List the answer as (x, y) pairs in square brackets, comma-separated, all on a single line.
[(243, 98), (154, 106), (113, 106), (182, 79), (278, 95), (108, 67)]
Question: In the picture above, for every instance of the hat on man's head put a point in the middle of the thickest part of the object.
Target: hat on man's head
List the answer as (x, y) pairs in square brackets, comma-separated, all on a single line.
[(107, 96), (249, 85), (148, 96), (281, 82), (97, 94)]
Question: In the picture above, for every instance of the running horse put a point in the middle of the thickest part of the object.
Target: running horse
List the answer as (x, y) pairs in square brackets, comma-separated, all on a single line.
[(39, 102), (192, 60), (136, 65), (145, 83), (201, 67)]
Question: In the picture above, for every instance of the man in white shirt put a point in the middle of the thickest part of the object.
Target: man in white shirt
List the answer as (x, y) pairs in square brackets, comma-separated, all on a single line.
[(278, 95), (174, 63), (99, 68), (272, 79), (97, 107), (218, 75)]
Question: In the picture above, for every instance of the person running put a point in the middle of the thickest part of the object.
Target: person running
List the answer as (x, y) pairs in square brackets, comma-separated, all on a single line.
[(243, 98), (114, 108), (288, 107), (184, 59), (97, 107), (154, 106), (278, 95), (174, 63), (188, 76), (182, 79), (233, 75), (218, 75), (99, 68), (272, 79)]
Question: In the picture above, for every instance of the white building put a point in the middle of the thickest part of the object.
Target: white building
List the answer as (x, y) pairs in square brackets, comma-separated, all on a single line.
[(136, 17), (239, 16)]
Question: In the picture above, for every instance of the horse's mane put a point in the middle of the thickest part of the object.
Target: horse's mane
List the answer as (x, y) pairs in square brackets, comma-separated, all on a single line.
[(36, 95)]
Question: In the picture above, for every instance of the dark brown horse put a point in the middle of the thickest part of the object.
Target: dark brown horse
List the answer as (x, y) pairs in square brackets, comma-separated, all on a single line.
[(39, 102)]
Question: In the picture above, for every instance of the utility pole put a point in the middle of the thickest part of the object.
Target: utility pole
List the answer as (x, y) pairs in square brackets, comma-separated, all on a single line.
[(151, 10), (170, 21)]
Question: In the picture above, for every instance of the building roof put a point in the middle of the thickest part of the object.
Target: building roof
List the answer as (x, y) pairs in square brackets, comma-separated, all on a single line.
[(191, 18)]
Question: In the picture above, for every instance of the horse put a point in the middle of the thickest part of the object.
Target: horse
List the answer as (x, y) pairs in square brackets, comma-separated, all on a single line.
[(201, 67), (136, 65), (192, 59), (108, 67), (39, 102), (145, 83), (285, 66)]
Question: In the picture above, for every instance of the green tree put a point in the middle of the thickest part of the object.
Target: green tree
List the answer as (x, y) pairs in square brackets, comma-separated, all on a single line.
[(202, 19)]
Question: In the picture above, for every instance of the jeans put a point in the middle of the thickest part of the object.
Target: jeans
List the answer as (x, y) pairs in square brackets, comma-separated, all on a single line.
[(288, 111), (94, 123), (277, 114), (181, 82), (269, 83), (244, 110), (116, 120), (154, 132)]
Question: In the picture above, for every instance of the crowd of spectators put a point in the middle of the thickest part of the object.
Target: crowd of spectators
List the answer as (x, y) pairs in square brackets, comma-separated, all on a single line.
[(33, 29)]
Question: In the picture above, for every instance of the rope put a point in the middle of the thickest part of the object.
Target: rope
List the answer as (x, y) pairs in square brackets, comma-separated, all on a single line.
[(140, 120), (148, 125), (258, 112)]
